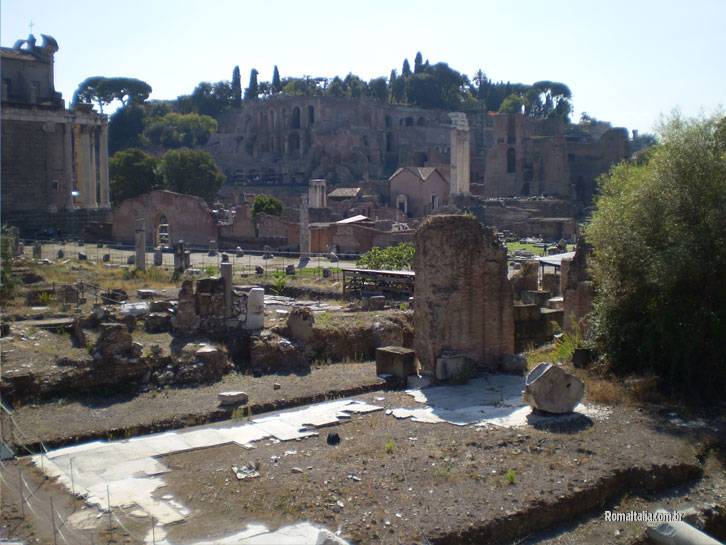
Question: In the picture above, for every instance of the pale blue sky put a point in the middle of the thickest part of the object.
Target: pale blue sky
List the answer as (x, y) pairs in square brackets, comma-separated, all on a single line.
[(626, 62)]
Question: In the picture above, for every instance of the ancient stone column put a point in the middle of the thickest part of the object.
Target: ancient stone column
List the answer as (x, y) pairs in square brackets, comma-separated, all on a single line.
[(460, 154), (179, 257), (304, 232), (68, 163), (140, 244), (463, 301), (103, 167), (226, 269), (92, 170), (316, 194), (83, 163)]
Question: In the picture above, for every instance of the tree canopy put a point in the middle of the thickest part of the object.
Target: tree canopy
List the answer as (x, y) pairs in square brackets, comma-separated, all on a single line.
[(192, 173), (659, 237), (267, 204), (103, 91), (175, 130), (132, 173)]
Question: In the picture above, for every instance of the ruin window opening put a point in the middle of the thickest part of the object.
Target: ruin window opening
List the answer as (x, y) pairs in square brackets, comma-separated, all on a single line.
[(511, 160), (311, 115), (295, 118), (389, 122), (511, 129), (420, 122), (409, 121), (389, 141), (434, 202), (525, 190)]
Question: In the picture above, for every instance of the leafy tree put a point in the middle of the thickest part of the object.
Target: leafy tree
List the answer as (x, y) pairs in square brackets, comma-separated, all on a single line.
[(267, 204), (252, 91), (397, 87), (276, 83), (210, 98), (105, 90), (192, 173), (378, 88), (418, 63), (132, 173), (236, 88), (355, 87), (125, 128), (176, 130), (513, 104), (393, 258), (659, 235), (336, 88)]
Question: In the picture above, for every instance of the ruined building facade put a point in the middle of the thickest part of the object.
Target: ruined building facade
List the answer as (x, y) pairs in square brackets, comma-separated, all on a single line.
[(289, 140), (294, 139), (54, 161)]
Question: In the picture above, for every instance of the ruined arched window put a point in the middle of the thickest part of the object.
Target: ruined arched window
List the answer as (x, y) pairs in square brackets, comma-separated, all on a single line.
[(420, 122), (272, 119), (293, 141), (525, 190), (311, 115), (162, 231), (295, 118), (511, 160), (409, 121), (389, 141), (389, 122)]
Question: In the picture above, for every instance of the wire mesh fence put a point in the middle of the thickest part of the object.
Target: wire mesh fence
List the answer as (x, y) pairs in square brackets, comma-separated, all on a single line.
[(36, 500)]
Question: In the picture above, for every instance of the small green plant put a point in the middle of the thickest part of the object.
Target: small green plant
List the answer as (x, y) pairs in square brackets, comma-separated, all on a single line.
[(45, 298), (567, 343), (389, 446), (278, 284), (238, 413), (403, 306), (511, 476), (209, 270), (90, 347), (446, 473)]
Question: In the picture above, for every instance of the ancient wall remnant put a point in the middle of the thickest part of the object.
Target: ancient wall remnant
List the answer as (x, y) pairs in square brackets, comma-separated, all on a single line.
[(576, 287), (208, 309), (463, 300)]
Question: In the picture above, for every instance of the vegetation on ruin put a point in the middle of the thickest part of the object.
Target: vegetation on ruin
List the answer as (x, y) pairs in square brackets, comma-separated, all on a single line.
[(8, 283), (659, 234), (267, 204), (395, 258), (132, 172), (191, 172)]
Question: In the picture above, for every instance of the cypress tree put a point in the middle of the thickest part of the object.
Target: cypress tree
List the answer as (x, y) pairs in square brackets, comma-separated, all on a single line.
[(236, 88), (276, 83), (253, 91)]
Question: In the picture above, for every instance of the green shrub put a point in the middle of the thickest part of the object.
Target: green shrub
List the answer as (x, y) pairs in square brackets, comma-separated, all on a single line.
[(395, 258), (659, 238)]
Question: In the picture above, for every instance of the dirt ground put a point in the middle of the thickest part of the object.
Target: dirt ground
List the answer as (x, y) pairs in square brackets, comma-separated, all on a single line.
[(388, 481)]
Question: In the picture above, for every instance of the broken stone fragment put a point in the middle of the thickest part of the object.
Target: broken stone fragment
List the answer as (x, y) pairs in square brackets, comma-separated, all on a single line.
[(550, 389), (232, 398), (513, 364)]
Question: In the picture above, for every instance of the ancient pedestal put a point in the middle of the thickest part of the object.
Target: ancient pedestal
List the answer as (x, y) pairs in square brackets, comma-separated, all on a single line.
[(396, 360), (255, 309)]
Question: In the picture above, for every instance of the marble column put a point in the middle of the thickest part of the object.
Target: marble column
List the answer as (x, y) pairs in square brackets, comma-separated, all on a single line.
[(83, 162), (93, 173), (103, 167), (68, 163)]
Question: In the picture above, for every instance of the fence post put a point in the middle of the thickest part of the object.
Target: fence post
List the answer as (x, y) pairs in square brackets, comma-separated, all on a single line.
[(52, 518), (22, 500), (108, 501)]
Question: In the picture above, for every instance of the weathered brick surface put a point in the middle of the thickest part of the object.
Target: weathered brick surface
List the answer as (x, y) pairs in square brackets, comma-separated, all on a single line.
[(463, 300), (576, 287)]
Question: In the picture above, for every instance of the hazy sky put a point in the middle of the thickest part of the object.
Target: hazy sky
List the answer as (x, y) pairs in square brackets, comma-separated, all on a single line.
[(626, 62)]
